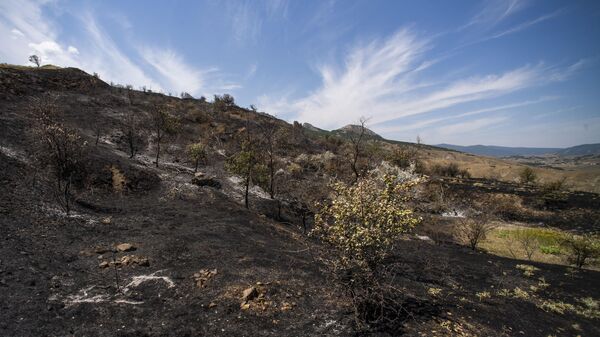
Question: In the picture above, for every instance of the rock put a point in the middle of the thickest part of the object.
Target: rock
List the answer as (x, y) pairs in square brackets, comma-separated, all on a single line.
[(125, 247), (210, 182), (212, 305), (203, 276), (106, 221), (286, 306), (134, 259), (245, 306), (249, 294), (199, 174), (103, 264)]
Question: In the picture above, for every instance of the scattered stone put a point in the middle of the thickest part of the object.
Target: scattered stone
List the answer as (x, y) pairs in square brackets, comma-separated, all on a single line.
[(107, 221), (286, 306), (133, 259), (125, 247), (245, 306), (203, 276), (103, 264), (212, 305), (199, 174), (249, 294)]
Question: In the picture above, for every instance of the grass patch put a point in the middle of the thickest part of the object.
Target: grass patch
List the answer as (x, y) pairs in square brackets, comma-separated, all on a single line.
[(547, 245)]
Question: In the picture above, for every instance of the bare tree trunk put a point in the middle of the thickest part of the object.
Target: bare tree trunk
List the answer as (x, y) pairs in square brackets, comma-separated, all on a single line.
[(272, 178), (196, 166), (67, 194), (131, 144), (157, 151), (247, 191)]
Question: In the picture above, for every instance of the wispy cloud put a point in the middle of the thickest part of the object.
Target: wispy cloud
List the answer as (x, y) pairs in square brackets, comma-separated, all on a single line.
[(246, 23), (174, 70), (495, 11), (387, 129), (277, 8), (524, 25), (384, 80)]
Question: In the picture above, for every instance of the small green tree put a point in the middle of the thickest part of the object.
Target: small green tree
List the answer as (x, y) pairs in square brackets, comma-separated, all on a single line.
[(364, 220), (197, 153), (162, 124), (246, 163), (527, 175)]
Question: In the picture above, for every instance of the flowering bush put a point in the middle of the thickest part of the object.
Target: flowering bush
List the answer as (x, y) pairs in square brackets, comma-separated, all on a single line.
[(363, 220)]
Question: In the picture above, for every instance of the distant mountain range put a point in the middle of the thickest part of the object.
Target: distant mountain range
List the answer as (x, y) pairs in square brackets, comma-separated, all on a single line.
[(503, 151), (480, 150)]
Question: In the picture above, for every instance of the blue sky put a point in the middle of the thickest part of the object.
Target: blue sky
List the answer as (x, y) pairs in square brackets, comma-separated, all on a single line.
[(502, 72)]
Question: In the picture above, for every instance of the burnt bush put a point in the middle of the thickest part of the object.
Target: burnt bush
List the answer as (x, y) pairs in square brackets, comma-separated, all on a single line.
[(449, 170)]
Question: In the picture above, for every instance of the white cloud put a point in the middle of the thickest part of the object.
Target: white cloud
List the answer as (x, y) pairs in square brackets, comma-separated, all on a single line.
[(73, 50), (17, 33), (383, 80), (177, 74)]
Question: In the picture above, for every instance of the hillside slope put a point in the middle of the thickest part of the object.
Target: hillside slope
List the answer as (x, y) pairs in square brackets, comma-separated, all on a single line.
[(191, 251)]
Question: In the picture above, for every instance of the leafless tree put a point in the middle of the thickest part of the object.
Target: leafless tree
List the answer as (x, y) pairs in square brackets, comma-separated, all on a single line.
[(271, 137), (35, 60), (60, 148), (97, 132), (528, 240), (357, 144), (133, 132), (474, 229)]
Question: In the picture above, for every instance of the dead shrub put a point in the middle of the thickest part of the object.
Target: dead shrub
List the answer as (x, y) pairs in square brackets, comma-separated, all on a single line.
[(449, 170), (474, 229)]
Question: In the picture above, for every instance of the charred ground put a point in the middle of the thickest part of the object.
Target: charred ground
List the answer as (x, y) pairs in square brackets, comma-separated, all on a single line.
[(58, 274)]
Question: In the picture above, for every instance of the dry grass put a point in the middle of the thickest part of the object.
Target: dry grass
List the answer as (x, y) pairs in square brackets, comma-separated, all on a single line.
[(578, 177)]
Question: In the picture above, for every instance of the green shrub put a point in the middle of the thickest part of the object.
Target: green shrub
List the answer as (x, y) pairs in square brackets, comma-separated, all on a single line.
[(581, 248)]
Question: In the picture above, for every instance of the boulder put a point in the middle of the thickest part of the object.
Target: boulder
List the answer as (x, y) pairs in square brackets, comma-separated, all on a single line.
[(125, 247), (249, 294)]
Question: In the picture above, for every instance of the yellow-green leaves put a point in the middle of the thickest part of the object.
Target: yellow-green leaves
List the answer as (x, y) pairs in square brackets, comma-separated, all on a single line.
[(365, 219)]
